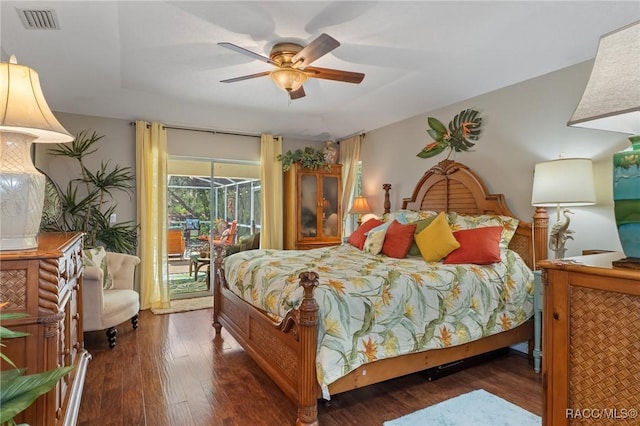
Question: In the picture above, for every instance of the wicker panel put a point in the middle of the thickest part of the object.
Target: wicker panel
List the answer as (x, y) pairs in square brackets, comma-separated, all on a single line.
[(279, 355), (522, 245), (235, 315), (13, 288), (604, 361)]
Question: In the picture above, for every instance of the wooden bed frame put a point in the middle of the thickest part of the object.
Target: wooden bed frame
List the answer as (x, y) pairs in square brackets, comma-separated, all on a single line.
[(286, 351)]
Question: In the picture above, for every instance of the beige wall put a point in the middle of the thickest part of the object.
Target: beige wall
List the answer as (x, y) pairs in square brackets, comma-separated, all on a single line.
[(118, 147), (523, 124)]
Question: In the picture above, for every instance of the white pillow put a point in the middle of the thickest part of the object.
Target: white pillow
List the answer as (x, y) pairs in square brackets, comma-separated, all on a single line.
[(97, 257), (375, 240)]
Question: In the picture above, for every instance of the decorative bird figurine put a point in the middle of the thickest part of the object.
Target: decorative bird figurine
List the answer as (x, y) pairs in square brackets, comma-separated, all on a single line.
[(559, 235)]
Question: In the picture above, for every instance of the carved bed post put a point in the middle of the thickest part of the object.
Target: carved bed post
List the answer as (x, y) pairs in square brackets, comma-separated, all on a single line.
[(217, 289), (308, 337), (540, 235), (387, 202)]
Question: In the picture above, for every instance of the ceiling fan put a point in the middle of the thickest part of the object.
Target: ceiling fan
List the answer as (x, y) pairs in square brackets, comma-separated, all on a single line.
[(292, 65)]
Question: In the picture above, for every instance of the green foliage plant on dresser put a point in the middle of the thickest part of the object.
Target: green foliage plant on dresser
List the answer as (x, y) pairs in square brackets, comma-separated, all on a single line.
[(87, 201), (309, 158)]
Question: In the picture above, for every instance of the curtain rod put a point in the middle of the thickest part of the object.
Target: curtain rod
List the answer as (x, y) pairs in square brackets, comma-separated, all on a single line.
[(362, 134), (215, 132)]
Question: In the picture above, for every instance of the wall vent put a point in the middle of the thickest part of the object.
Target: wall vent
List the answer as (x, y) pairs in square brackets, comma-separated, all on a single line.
[(39, 19)]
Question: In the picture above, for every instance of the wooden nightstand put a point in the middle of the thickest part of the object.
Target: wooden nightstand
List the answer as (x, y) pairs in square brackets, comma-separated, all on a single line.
[(591, 324)]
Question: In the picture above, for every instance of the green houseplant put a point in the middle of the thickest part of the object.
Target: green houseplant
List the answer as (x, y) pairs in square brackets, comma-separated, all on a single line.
[(17, 390), (309, 158), (87, 201)]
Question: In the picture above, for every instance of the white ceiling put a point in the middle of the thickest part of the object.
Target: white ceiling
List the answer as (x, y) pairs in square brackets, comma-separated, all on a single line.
[(160, 61)]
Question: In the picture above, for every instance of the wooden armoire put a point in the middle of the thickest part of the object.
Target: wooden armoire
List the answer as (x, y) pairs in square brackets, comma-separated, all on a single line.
[(312, 207)]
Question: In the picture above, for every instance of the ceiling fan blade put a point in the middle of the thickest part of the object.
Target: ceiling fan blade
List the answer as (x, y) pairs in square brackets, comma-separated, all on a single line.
[(297, 94), (322, 45), (338, 75), (246, 52), (246, 77)]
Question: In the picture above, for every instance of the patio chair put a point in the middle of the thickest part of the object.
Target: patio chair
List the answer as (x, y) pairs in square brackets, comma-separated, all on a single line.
[(230, 236)]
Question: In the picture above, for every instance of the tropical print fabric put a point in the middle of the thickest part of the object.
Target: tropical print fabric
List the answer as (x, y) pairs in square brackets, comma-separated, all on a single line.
[(373, 306), (97, 257)]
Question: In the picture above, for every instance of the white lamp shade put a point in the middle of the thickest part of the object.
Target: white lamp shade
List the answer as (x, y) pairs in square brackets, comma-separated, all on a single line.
[(23, 108), (563, 182), (611, 99)]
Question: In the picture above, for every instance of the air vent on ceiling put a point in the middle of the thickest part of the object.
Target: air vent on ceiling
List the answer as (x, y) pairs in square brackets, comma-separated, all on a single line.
[(39, 19)]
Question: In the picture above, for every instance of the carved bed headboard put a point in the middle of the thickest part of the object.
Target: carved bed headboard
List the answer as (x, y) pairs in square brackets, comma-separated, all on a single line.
[(451, 186)]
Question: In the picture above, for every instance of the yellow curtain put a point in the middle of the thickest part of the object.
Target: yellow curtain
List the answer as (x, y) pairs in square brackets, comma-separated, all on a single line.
[(349, 157), (271, 193), (151, 194)]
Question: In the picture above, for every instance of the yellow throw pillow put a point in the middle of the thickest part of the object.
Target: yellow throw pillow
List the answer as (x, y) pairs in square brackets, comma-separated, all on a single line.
[(436, 240)]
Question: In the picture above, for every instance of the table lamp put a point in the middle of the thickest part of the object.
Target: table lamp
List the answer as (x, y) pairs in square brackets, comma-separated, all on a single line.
[(360, 207), (611, 101), (25, 118), (565, 182)]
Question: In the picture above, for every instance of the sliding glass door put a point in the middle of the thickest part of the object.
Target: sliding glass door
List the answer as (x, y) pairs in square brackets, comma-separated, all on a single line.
[(210, 202)]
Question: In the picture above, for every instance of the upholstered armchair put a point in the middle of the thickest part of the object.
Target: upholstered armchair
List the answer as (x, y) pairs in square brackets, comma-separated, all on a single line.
[(109, 303)]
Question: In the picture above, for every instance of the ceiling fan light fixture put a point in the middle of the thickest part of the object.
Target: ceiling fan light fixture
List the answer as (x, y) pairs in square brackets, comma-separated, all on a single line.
[(288, 79)]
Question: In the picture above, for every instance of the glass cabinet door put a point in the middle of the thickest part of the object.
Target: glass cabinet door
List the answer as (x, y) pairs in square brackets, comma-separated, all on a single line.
[(330, 202), (308, 206)]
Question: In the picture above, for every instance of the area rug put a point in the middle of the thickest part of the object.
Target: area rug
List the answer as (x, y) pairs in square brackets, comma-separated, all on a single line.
[(477, 408), (182, 283), (184, 305)]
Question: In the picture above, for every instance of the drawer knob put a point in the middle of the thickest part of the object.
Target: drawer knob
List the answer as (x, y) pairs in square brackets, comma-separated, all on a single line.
[(556, 315), (77, 316)]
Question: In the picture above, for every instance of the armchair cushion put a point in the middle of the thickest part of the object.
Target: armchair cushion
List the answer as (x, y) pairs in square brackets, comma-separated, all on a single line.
[(97, 257)]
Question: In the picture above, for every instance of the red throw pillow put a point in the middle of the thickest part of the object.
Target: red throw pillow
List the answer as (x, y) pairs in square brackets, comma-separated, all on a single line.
[(398, 239), (358, 237), (480, 246)]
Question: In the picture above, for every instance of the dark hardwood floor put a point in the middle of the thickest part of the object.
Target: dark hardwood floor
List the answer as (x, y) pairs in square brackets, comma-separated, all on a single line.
[(172, 371)]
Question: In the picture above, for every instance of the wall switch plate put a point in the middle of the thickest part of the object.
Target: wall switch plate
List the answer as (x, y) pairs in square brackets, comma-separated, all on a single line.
[(112, 218)]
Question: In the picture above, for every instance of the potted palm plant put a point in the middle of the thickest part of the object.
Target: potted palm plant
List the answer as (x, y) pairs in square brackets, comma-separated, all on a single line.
[(88, 203)]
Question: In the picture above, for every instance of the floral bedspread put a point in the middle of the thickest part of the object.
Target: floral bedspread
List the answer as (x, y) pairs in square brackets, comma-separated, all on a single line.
[(373, 306)]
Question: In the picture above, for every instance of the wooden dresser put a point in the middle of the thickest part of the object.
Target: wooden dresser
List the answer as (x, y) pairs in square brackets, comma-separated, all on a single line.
[(312, 207), (46, 284), (591, 341)]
